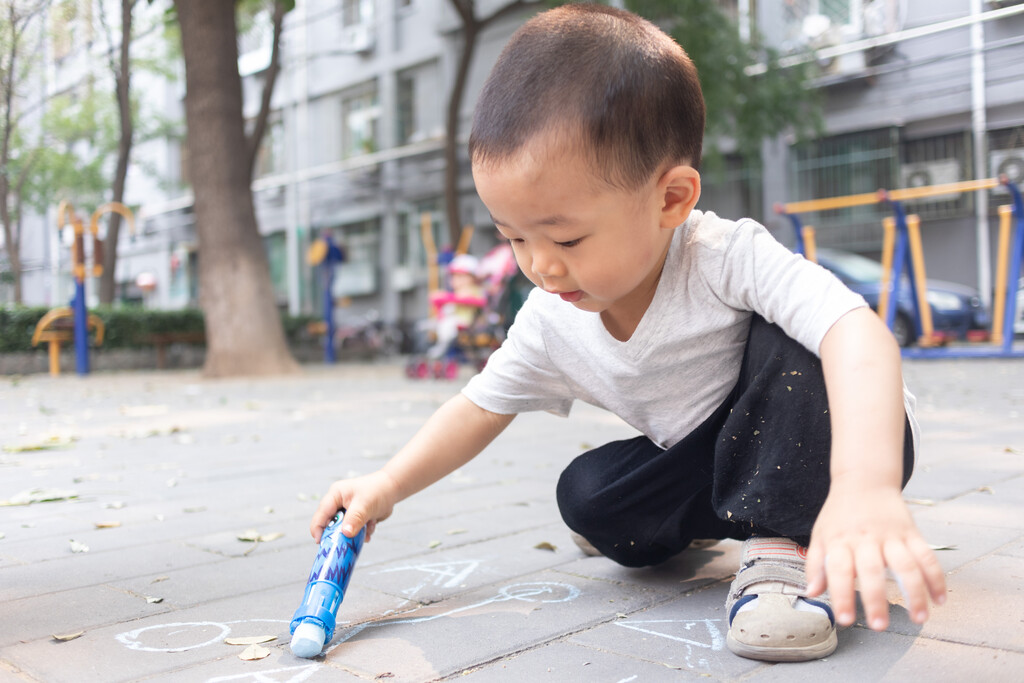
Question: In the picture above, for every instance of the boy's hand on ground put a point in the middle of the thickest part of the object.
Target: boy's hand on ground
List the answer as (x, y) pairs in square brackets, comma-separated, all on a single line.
[(859, 532), (366, 500)]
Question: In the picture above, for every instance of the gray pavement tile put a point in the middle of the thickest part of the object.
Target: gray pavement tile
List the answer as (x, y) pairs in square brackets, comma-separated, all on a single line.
[(437, 575), (499, 520), (962, 543), (478, 627), (178, 641), (1014, 549), (984, 606), (687, 571), (895, 657), (999, 507), (686, 633), (77, 570), (563, 662), (70, 611)]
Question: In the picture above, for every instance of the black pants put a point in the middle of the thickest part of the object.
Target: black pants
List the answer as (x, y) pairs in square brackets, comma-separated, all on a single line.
[(759, 466)]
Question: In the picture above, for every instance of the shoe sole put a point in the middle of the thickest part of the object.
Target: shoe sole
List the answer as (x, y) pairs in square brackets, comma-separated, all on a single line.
[(784, 654)]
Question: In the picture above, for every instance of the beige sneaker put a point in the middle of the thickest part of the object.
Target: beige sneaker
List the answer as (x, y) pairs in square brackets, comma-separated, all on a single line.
[(584, 544), (768, 618)]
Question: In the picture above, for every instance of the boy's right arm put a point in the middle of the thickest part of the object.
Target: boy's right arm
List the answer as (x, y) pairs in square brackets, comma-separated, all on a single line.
[(452, 436)]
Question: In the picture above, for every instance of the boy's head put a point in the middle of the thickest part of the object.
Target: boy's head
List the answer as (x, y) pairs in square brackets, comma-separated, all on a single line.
[(598, 82)]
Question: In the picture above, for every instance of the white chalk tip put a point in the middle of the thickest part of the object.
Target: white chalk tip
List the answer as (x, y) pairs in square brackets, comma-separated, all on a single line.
[(308, 640)]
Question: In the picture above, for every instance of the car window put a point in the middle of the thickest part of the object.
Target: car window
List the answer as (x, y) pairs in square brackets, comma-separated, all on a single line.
[(852, 267)]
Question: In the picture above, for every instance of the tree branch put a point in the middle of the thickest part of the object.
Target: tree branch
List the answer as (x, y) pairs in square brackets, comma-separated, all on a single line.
[(260, 126)]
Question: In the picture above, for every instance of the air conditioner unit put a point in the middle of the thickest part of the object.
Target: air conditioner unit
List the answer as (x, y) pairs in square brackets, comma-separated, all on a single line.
[(1009, 162), (938, 172), (357, 39)]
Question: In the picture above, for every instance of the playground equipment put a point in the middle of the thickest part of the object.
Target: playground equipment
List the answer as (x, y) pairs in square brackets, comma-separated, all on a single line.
[(49, 328), (902, 253), (463, 325), (56, 328), (324, 252)]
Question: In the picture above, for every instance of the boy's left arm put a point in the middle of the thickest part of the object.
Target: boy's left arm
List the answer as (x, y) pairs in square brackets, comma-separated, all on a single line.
[(864, 525)]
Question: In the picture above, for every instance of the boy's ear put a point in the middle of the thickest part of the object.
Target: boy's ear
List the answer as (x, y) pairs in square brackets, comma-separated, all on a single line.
[(679, 189)]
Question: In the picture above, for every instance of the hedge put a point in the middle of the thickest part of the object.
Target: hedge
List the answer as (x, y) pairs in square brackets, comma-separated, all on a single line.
[(125, 327)]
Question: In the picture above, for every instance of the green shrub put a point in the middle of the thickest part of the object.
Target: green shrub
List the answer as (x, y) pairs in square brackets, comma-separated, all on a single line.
[(125, 327)]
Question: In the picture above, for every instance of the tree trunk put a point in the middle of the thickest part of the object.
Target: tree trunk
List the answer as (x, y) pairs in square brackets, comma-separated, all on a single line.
[(122, 79), (244, 335), (470, 29)]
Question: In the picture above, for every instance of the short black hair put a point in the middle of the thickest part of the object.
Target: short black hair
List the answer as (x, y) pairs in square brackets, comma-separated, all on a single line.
[(616, 86)]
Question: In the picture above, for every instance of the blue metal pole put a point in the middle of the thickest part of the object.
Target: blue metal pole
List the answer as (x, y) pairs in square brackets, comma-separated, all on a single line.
[(81, 330), (328, 276), (902, 260), (1016, 255), (798, 230)]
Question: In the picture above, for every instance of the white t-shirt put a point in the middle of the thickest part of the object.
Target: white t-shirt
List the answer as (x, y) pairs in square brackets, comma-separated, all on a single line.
[(684, 358)]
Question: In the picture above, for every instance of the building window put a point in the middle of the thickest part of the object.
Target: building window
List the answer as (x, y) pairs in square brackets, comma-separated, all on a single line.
[(360, 114), (937, 160), (856, 163), (356, 12), (270, 159), (357, 276), (277, 258), (406, 118)]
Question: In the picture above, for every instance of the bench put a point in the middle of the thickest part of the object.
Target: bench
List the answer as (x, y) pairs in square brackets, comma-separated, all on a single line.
[(161, 340), (58, 327)]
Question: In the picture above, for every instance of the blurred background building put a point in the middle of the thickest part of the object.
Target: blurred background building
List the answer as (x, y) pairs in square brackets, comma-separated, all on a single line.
[(916, 92)]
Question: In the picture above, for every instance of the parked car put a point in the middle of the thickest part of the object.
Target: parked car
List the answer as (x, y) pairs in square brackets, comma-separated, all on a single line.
[(956, 308)]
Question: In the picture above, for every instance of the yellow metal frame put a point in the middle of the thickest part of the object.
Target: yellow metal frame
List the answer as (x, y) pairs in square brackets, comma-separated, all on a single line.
[(55, 337), (1002, 273)]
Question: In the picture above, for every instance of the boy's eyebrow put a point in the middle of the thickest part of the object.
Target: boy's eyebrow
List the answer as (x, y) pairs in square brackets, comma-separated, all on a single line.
[(554, 220)]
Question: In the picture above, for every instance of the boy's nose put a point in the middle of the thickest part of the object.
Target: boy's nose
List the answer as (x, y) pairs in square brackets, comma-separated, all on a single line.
[(547, 265)]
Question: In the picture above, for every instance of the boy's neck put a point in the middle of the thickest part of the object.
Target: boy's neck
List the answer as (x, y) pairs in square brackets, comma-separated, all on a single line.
[(622, 319)]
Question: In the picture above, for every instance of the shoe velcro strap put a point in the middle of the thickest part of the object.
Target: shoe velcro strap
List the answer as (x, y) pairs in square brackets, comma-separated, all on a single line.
[(763, 571)]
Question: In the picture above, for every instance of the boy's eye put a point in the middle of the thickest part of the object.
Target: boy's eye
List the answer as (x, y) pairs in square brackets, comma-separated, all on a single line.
[(570, 243)]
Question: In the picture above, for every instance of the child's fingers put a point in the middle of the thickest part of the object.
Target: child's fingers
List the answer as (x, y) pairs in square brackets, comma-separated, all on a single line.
[(934, 577), (355, 519), (325, 511), (871, 574), (814, 570), (839, 568), (909, 577)]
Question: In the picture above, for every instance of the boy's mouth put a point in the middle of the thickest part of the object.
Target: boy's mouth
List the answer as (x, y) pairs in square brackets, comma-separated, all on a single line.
[(571, 297)]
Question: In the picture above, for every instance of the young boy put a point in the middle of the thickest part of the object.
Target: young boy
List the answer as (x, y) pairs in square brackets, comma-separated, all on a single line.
[(706, 335)]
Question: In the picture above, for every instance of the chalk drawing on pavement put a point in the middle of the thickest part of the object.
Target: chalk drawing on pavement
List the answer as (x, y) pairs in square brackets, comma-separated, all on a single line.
[(182, 636), (705, 635), (444, 574), (537, 591)]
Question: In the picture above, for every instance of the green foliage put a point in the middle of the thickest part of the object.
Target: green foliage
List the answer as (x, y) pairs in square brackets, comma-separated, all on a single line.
[(125, 327), (744, 108)]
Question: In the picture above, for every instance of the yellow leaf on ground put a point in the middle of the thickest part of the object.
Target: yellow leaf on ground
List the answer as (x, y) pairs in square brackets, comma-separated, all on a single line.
[(107, 525), (68, 636), (544, 545), (249, 640), (253, 652)]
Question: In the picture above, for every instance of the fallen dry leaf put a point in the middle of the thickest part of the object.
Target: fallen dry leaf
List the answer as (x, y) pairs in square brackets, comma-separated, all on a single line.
[(253, 536), (544, 545), (107, 525), (68, 636), (77, 547), (254, 652), (44, 445), (40, 496), (942, 547), (455, 532), (249, 640), (154, 601), (159, 579), (433, 544)]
